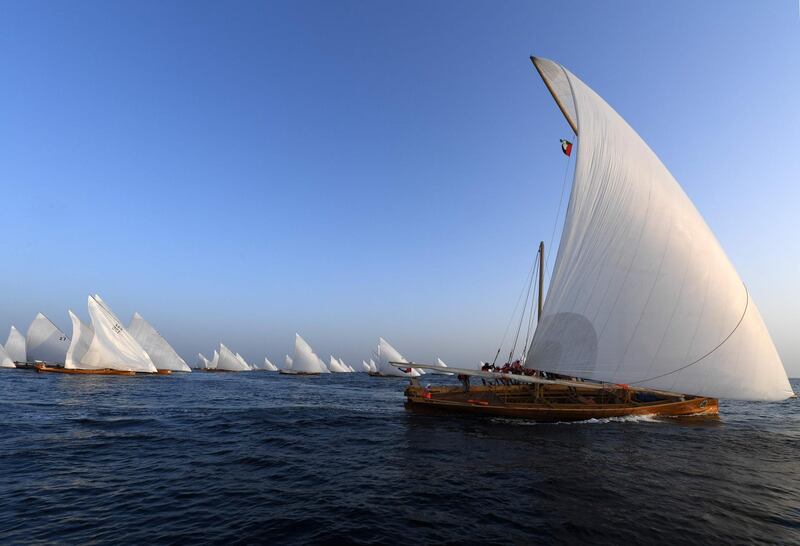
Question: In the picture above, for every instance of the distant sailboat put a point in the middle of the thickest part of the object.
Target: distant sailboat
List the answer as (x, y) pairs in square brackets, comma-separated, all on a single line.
[(387, 354), (214, 361), (45, 342), (161, 353), (305, 361), (15, 346), (202, 362), (105, 348), (336, 366), (643, 305), (269, 366), (228, 361), (287, 363), (5, 360)]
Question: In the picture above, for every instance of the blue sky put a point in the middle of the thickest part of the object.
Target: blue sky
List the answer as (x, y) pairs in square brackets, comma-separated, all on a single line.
[(348, 170)]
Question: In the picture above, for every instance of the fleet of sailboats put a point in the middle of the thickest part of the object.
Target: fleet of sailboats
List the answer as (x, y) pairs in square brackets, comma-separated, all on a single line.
[(644, 313)]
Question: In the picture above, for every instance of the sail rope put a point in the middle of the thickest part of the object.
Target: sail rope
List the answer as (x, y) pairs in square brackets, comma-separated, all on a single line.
[(522, 312), (721, 343), (531, 318), (514, 313), (558, 210)]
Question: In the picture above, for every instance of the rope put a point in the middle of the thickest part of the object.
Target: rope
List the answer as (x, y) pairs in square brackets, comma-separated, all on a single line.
[(513, 314), (721, 343), (522, 315), (558, 210), (531, 316)]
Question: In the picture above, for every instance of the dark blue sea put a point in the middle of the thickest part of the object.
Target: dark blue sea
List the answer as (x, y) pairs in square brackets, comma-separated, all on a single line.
[(262, 458)]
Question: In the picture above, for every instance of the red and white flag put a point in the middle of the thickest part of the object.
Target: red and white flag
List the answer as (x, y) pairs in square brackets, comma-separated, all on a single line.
[(566, 147)]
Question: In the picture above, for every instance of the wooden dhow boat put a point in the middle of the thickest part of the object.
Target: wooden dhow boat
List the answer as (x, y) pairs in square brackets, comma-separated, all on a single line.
[(644, 315), (105, 348), (305, 360)]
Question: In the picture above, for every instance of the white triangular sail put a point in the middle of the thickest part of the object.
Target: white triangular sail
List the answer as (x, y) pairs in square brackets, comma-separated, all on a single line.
[(243, 362), (305, 360), (82, 335), (440, 362), (15, 346), (641, 291), (387, 354), (335, 366), (45, 342), (373, 367), (214, 361), (202, 362), (364, 368), (287, 363), (228, 361), (112, 346), (161, 353), (269, 366), (5, 360)]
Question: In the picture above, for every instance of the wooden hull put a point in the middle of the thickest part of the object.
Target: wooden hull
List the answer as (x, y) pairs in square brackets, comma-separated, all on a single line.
[(49, 369), (164, 372), (557, 405), (284, 372)]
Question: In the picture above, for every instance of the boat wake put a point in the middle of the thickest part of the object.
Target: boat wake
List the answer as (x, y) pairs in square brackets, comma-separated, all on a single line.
[(593, 421)]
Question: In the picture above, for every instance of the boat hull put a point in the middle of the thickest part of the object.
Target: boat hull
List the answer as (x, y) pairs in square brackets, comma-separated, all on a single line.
[(49, 369), (553, 406)]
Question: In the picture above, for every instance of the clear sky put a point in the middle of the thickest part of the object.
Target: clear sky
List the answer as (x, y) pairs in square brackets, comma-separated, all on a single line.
[(240, 171)]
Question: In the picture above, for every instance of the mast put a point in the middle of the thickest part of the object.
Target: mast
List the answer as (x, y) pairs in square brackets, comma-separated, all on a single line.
[(541, 280)]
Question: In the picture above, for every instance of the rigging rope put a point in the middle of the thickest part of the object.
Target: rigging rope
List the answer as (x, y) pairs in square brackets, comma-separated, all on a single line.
[(721, 343), (531, 317), (513, 314), (558, 210), (524, 307)]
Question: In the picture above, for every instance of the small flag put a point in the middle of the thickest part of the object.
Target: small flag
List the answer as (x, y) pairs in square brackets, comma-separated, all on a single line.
[(566, 147)]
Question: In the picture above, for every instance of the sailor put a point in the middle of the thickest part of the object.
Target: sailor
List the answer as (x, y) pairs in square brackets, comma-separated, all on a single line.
[(465, 380), (486, 367)]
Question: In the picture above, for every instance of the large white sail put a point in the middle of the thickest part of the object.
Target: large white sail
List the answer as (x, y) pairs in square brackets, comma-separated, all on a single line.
[(82, 335), (112, 346), (5, 360), (305, 360), (641, 291), (15, 346), (161, 353), (45, 342), (227, 361), (387, 354)]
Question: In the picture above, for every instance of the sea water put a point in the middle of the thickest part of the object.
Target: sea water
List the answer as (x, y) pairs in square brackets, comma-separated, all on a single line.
[(259, 457)]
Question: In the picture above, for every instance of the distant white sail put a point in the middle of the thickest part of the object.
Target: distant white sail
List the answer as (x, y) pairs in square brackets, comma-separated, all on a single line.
[(346, 366), (5, 360), (365, 368), (161, 353), (269, 366), (82, 335), (112, 346), (243, 362), (45, 342), (202, 362), (372, 366), (15, 346), (228, 361), (387, 354), (642, 292), (214, 361), (287, 362), (335, 366), (305, 359), (440, 362)]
